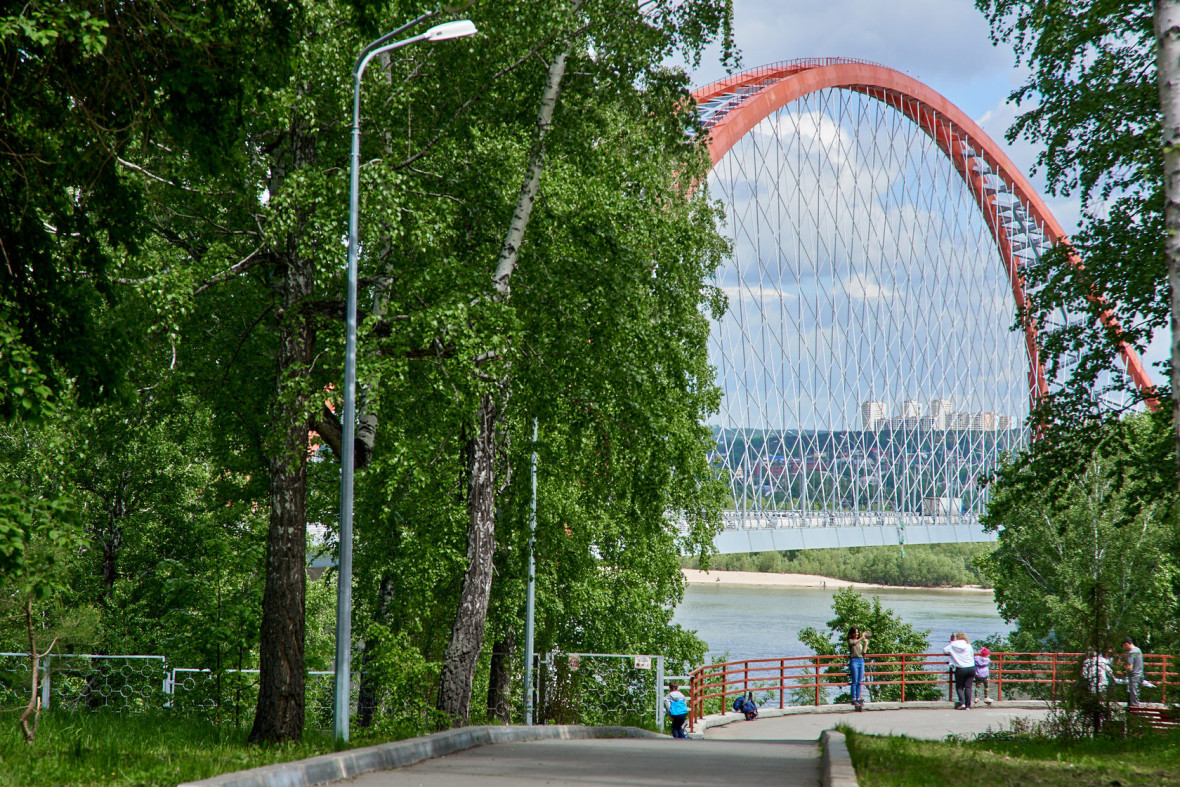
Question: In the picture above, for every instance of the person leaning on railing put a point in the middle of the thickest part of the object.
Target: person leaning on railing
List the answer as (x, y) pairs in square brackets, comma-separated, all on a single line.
[(963, 658)]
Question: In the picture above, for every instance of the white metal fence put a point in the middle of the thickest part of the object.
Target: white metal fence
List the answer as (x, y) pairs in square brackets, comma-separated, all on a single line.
[(133, 683), (601, 688)]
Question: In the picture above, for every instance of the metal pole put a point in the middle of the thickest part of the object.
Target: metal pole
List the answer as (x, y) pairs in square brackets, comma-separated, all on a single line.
[(342, 698), (660, 693), (347, 458), (46, 672), (530, 601)]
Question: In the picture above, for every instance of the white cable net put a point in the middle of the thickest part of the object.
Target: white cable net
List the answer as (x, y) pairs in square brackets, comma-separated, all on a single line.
[(870, 372)]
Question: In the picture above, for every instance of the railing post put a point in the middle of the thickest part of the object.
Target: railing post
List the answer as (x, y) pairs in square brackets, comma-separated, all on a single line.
[(816, 657), (1053, 677), (45, 672), (1164, 680), (999, 665), (903, 677)]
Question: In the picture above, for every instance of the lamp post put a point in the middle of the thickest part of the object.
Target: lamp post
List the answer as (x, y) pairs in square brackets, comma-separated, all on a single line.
[(344, 590)]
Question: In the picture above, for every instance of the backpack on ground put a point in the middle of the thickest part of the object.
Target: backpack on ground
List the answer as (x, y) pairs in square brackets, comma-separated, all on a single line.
[(747, 706)]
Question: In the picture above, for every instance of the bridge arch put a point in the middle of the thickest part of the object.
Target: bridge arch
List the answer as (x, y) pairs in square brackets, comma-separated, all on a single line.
[(1018, 222), (732, 107)]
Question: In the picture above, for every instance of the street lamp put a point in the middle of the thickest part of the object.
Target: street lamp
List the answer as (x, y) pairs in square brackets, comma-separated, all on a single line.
[(344, 590)]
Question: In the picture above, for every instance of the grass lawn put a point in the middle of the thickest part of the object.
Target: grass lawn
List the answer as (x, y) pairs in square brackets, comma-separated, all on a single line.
[(1153, 759), (110, 749)]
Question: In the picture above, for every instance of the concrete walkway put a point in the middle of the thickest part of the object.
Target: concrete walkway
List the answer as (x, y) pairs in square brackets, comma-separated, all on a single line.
[(928, 723), (781, 748), (640, 762)]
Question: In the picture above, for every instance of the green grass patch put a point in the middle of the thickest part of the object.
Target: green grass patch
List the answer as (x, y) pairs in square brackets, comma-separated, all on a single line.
[(886, 761), (110, 749)]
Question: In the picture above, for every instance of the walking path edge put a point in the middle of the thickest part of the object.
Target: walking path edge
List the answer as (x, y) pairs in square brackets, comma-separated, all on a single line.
[(836, 769), (327, 768)]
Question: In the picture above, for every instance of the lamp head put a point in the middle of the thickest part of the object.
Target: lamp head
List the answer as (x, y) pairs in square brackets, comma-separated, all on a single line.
[(458, 29)]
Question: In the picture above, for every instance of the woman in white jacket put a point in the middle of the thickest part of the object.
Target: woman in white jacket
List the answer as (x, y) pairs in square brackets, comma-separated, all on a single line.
[(963, 658)]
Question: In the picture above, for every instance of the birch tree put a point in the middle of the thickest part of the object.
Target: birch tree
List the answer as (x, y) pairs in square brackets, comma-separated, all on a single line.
[(1086, 568), (1167, 40), (1092, 99)]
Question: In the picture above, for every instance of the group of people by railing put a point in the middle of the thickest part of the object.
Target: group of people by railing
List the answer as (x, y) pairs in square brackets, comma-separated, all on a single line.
[(918, 676), (1098, 672)]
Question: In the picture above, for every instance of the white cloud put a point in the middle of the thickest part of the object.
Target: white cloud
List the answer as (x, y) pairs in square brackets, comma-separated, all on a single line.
[(861, 287)]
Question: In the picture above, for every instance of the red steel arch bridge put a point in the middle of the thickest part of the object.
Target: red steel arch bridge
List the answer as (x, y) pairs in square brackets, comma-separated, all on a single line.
[(870, 368)]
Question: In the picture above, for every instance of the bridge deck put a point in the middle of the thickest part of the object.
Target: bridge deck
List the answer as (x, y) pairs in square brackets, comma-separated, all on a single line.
[(767, 539)]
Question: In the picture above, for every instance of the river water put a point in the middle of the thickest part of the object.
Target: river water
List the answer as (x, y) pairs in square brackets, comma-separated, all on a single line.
[(764, 622)]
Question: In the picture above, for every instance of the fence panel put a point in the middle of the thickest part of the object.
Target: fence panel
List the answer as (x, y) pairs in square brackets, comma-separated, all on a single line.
[(121, 684), (14, 680), (232, 695), (599, 688)]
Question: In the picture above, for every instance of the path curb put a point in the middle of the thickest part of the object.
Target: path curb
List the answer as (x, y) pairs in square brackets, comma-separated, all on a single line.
[(328, 768), (836, 768)]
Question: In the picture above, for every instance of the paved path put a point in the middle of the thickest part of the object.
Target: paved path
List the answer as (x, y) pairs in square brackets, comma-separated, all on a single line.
[(643, 763), (929, 724), (782, 750)]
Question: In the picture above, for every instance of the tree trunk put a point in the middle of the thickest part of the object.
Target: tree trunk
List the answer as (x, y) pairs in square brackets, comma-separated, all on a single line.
[(1167, 38), (462, 653), (500, 682), (279, 715), (367, 699)]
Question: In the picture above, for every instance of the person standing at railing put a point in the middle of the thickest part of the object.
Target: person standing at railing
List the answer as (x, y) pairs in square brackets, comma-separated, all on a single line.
[(983, 667), (677, 706), (1134, 671), (962, 656), (857, 643)]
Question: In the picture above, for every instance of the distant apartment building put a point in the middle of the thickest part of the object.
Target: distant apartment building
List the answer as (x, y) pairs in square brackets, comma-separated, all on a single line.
[(873, 415), (910, 408), (939, 417), (940, 411)]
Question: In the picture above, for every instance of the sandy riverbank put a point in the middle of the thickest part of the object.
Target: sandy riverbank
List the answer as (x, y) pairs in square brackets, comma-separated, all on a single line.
[(761, 579)]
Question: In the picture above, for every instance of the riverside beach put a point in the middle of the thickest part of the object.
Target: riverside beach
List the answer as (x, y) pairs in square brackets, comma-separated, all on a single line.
[(770, 579)]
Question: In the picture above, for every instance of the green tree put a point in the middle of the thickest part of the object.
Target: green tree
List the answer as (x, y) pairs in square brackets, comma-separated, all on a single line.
[(1087, 566), (888, 634), (1092, 99), (39, 531), (86, 84), (229, 266)]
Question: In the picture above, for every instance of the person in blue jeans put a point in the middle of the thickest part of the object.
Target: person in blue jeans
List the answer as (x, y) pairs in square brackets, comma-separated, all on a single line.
[(857, 643), (677, 706)]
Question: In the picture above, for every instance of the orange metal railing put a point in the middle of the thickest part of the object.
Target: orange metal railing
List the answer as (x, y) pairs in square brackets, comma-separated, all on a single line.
[(804, 679)]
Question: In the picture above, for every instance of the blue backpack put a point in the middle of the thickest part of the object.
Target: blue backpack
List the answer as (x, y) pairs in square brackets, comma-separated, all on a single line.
[(677, 708), (745, 705)]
